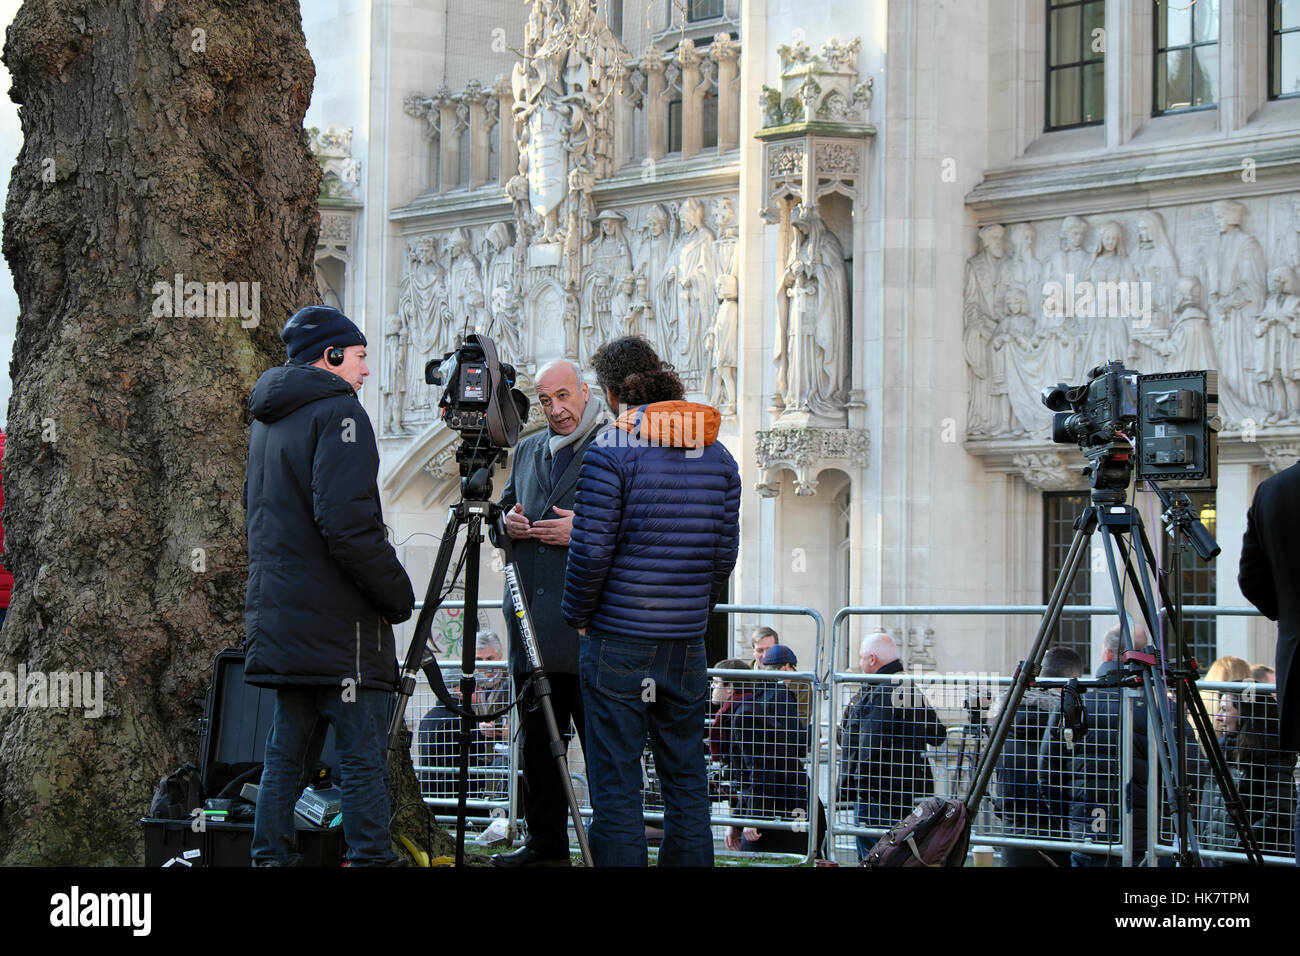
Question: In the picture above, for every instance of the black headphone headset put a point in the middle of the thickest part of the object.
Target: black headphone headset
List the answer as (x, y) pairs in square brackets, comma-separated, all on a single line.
[(335, 356)]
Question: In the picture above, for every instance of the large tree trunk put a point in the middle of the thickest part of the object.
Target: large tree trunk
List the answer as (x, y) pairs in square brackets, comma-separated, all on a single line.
[(160, 137)]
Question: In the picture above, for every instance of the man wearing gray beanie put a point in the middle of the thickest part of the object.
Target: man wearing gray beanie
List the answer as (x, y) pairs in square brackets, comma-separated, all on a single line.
[(324, 586)]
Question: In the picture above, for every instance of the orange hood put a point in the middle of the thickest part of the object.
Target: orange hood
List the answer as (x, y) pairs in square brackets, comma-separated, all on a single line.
[(674, 424)]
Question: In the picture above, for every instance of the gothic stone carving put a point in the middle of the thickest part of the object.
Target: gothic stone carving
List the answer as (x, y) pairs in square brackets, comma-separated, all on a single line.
[(807, 452), (340, 173), (1185, 287), (1049, 471), (659, 270)]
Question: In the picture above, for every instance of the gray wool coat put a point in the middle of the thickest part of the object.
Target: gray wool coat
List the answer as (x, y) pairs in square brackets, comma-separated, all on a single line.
[(541, 566)]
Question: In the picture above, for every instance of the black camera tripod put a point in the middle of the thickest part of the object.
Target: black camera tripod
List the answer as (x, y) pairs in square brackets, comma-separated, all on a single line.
[(1110, 511), (474, 508)]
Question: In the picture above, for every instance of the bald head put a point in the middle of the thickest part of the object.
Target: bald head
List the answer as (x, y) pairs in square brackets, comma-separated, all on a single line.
[(877, 650), (562, 395)]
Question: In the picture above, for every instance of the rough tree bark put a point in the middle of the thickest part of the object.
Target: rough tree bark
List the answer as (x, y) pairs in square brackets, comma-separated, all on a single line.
[(160, 137)]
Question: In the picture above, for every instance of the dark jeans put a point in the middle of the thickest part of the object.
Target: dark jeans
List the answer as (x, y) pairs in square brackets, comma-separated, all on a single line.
[(630, 688), (546, 807), (293, 747)]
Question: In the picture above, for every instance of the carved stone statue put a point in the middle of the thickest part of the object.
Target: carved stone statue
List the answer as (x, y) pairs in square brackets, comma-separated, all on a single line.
[(724, 215), (1019, 363), (542, 141), (427, 316), (983, 293), (812, 303), (464, 284), (394, 377), (1236, 284), (641, 312), (1191, 342), (1022, 269), (720, 346), (654, 264), (1069, 267), (693, 273), (1276, 350), (610, 261), (1156, 263), (1108, 338)]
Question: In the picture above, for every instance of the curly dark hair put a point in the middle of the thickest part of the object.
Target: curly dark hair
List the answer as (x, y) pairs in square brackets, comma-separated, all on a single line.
[(630, 368)]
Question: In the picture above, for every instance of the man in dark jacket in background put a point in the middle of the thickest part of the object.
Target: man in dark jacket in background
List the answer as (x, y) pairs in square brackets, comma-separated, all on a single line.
[(1082, 760), (1269, 577), (538, 500), (656, 532), (324, 585), (885, 772), (1030, 807), (765, 748)]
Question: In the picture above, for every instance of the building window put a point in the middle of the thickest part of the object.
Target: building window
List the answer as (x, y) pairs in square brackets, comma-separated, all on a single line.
[(1187, 55), (614, 17), (1199, 585), (1283, 48), (703, 10), (1059, 512), (1076, 48)]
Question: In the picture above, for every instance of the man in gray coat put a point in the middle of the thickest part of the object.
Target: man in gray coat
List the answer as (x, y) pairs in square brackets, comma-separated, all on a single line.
[(539, 502)]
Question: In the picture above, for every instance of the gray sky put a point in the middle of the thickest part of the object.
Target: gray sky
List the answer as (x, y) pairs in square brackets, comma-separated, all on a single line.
[(11, 138)]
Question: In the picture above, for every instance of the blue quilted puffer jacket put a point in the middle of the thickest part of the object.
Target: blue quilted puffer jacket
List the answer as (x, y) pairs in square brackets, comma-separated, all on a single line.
[(656, 525)]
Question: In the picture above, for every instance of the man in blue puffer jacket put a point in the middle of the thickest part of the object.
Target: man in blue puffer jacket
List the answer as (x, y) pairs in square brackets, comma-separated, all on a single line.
[(655, 535)]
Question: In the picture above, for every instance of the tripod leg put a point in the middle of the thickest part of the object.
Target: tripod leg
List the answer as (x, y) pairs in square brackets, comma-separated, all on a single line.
[(541, 686), (1153, 686), (1189, 697), (1030, 667), (423, 626)]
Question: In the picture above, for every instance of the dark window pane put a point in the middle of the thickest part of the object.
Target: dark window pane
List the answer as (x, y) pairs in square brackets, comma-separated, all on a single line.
[(1174, 86), (1206, 19), (675, 126), (1094, 93), (1207, 75), (1094, 19), (1059, 512), (614, 18), (1286, 64), (1065, 36), (704, 9), (709, 119), (1178, 26), (1287, 15), (1199, 584), (1065, 97)]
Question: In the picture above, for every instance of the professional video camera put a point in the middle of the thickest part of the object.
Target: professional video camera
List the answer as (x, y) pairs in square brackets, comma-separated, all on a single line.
[(1167, 422), (479, 400)]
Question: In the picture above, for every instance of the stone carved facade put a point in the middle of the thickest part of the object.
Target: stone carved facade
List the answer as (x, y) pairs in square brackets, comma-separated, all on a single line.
[(655, 269), (340, 173), (814, 143), (1186, 287), (806, 452), (562, 275)]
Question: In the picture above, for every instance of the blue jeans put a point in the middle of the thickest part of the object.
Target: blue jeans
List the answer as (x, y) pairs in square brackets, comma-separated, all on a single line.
[(631, 688), (293, 747)]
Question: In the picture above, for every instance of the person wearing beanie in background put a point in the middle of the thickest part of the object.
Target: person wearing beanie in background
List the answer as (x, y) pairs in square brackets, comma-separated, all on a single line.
[(324, 586), (655, 536)]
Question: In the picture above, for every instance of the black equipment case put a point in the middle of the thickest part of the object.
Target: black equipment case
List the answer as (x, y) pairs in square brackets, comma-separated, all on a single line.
[(232, 738)]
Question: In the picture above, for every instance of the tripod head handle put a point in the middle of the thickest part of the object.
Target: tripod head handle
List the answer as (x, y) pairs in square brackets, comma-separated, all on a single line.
[(1179, 514)]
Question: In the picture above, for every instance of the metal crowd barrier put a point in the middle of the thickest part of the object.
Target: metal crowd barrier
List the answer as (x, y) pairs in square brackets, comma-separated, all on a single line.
[(869, 786), (750, 743), (858, 802)]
